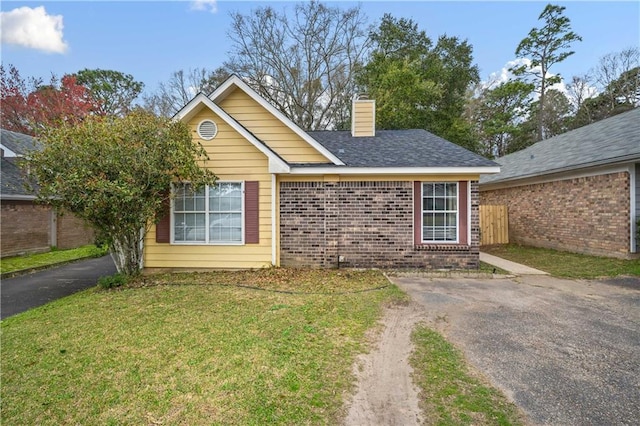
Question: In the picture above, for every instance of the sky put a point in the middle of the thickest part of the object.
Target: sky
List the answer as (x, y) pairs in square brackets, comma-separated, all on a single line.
[(152, 39)]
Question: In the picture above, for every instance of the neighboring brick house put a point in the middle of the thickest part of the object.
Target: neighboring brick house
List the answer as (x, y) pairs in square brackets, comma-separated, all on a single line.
[(359, 198), (27, 226), (579, 191)]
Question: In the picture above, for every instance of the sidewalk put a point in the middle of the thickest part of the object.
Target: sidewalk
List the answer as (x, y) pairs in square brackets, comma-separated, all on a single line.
[(507, 265)]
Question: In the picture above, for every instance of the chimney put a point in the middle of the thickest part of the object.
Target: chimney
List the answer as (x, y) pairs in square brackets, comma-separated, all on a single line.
[(363, 116)]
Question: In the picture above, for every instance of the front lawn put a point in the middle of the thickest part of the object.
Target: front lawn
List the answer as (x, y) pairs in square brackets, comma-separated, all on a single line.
[(19, 263), (278, 351), (565, 264)]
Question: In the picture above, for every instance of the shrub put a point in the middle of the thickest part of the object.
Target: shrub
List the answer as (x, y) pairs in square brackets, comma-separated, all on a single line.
[(112, 281)]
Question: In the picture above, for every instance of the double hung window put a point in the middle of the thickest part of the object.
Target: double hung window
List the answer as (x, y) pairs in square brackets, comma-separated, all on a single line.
[(440, 210), (210, 215)]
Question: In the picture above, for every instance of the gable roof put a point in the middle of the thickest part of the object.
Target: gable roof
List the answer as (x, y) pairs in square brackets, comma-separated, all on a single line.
[(276, 163), (18, 143), (398, 148), (236, 82), (613, 140), (12, 186)]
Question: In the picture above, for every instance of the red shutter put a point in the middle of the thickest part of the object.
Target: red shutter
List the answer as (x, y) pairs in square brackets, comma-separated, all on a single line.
[(163, 227), (417, 212), (251, 213), (463, 213)]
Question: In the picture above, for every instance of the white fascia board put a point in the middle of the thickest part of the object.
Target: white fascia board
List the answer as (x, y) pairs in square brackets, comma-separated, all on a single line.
[(8, 152), (392, 170), (225, 88), (18, 197), (552, 177), (276, 164)]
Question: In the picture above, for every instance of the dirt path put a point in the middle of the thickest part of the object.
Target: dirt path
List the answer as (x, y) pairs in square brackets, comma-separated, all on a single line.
[(385, 394)]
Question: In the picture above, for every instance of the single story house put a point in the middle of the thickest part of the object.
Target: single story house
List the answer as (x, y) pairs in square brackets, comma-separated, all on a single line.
[(579, 191), (359, 198), (27, 226)]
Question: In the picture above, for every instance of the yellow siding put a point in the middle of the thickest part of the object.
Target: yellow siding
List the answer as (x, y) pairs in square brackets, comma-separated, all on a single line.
[(269, 129), (231, 158), (363, 118)]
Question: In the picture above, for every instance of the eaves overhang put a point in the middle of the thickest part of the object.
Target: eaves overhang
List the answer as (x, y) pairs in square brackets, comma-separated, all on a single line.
[(345, 170), (560, 173)]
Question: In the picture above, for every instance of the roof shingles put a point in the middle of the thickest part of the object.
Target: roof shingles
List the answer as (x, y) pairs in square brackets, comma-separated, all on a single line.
[(398, 148), (608, 141)]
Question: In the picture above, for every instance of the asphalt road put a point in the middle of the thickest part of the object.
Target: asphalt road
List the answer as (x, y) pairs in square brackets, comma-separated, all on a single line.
[(566, 352), (28, 291)]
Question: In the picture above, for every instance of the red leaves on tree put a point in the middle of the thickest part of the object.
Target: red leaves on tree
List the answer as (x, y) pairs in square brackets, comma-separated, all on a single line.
[(29, 106)]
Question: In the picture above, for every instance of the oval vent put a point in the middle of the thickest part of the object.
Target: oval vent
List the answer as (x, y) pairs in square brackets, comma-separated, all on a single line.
[(207, 130)]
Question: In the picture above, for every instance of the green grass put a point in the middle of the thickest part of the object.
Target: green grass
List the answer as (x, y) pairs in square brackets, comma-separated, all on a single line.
[(19, 263), (565, 264), (201, 352), (450, 394)]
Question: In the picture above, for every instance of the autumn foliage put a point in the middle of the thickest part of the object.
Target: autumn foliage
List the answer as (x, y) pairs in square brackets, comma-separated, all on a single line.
[(28, 106)]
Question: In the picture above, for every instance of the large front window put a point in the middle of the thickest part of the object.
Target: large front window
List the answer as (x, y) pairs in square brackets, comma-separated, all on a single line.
[(212, 214), (439, 212)]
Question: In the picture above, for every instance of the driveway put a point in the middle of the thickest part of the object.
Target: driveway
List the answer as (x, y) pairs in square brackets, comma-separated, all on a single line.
[(566, 352), (28, 291)]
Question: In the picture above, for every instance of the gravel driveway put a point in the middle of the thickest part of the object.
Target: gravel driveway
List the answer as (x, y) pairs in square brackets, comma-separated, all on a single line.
[(567, 352)]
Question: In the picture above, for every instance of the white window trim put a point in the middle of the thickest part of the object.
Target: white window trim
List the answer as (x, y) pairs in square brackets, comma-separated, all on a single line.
[(207, 212), (457, 240)]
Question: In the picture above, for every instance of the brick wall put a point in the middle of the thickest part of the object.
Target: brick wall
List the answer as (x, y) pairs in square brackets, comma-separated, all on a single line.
[(584, 215), (26, 228), (73, 232), (369, 224)]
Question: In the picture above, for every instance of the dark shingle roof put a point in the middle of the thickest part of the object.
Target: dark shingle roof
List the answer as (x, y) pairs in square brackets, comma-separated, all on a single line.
[(19, 143), (13, 178), (398, 148), (612, 140)]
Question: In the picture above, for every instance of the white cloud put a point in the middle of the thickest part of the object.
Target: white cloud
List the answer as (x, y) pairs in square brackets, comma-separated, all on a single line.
[(33, 28), (206, 5), (504, 75)]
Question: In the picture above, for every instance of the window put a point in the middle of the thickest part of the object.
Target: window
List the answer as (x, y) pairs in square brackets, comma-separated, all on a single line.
[(439, 212), (211, 215)]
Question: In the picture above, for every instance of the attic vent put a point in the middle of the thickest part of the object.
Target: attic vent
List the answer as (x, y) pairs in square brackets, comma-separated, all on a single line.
[(207, 130)]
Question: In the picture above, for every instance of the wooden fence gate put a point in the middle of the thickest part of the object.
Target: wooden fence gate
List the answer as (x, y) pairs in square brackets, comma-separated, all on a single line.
[(494, 225)]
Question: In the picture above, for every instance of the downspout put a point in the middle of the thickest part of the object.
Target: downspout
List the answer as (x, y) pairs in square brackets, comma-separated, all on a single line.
[(633, 214), (274, 220)]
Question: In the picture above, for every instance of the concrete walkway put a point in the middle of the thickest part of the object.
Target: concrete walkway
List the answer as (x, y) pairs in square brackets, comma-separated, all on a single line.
[(507, 265)]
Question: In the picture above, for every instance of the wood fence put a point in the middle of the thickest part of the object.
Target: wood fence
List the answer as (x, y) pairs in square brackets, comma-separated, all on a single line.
[(494, 225)]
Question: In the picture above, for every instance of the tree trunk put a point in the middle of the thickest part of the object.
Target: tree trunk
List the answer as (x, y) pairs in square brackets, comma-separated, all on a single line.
[(126, 252)]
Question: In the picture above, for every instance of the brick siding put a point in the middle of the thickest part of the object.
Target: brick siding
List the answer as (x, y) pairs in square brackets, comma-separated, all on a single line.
[(73, 232), (369, 224), (26, 228), (585, 215)]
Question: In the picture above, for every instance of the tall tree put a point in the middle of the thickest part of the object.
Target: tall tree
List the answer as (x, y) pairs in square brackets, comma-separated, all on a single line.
[(498, 116), (302, 62), (103, 167), (417, 84), (181, 87), (545, 47), (114, 90), (29, 105)]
